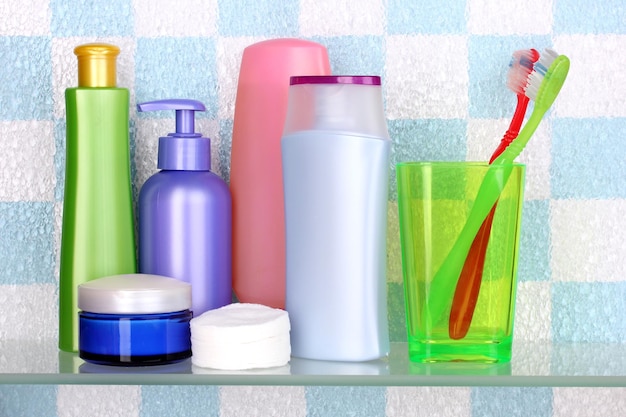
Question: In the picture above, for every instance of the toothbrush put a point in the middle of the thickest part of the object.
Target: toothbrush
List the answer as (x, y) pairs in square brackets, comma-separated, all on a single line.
[(544, 86), (468, 286), (522, 65)]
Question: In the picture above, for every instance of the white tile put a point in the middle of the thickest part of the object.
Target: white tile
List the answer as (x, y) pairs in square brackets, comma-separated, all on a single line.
[(483, 137), (239, 401), (27, 172), (29, 356), (596, 83), (493, 17), (65, 67), (228, 56), (339, 18), (532, 312), (531, 358), (428, 401), (589, 402), (26, 18), (588, 240), (98, 400), (426, 77), (29, 312), (537, 157), (154, 18)]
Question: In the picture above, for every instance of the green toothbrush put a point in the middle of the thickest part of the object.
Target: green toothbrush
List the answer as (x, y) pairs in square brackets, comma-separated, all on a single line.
[(543, 88)]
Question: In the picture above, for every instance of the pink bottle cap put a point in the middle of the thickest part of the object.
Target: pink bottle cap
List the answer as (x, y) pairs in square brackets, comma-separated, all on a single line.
[(263, 87)]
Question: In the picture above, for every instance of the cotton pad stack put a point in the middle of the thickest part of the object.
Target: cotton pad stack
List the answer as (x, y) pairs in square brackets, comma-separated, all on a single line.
[(241, 336)]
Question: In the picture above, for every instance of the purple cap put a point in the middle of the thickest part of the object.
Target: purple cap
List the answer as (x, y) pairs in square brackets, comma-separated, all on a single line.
[(184, 150), (335, 79)]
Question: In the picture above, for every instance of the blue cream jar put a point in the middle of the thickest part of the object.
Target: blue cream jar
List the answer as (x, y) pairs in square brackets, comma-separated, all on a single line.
[(134, 320)]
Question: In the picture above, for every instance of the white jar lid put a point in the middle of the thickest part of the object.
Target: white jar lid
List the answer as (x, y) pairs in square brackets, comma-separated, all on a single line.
[(134, 294)]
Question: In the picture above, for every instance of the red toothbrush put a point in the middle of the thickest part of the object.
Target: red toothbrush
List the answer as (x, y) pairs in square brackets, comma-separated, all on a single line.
[(468, 285)]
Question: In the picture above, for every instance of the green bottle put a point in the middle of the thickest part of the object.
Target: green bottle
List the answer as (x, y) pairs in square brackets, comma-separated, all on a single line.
[(98, 235)]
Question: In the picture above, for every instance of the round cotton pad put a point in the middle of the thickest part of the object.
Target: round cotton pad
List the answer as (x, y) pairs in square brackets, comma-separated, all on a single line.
[(241, 336)]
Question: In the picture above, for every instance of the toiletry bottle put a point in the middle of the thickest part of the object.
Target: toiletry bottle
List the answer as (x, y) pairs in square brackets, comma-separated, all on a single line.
[(335, 168), (184, 213), (98, 234), (256, 170)]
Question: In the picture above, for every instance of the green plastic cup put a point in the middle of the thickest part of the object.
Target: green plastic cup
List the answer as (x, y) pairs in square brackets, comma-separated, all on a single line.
[(435, 200)]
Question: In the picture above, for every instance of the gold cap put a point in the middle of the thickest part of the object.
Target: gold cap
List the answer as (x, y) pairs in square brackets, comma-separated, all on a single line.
[(96, 64)]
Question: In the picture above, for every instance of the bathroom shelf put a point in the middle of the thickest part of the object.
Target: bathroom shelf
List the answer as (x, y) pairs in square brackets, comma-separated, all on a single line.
[(533, 364)]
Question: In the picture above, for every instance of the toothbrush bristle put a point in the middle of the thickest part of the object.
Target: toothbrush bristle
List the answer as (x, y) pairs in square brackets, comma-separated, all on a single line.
[(520, 67), (536, 76)]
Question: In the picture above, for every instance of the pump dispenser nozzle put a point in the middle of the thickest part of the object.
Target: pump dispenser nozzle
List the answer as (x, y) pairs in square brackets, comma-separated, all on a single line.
[(183, 150)]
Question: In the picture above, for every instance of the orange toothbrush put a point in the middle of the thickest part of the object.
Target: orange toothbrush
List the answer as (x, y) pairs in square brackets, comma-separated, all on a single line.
[(468, 285)]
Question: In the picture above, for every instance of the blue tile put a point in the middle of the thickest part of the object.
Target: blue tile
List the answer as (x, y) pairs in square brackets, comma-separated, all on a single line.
[(583, 16), (27, 243), (489, 58), (28, 400), (26, 82), (357, 55), (425, 16), (534, 251), (425, 140), (589, 312), (266, 18), (59, 158), (588, 158), (511, 402), (180, 401), (345, 401), (91, 18), (176, 68)]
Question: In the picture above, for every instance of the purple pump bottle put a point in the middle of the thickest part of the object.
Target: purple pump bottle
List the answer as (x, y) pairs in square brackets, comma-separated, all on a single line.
[(185, 226)]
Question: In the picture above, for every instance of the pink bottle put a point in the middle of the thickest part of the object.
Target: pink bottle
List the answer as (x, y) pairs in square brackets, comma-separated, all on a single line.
[(256, 180)]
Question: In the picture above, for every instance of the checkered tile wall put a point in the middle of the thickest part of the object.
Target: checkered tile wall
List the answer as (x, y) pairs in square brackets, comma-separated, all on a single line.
[(443, 65)]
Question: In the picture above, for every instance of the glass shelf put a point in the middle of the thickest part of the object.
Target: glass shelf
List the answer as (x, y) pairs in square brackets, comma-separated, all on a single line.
[(533, 364)]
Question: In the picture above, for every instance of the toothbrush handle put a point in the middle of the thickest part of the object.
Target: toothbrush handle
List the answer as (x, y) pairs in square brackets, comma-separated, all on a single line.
[(442, 285), (515, 148), (514, 127), (468, 286)]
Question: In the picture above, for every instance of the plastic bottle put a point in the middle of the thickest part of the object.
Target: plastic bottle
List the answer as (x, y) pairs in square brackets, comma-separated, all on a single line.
[(98, 234), (256, 170), (335, 167), (185, 227)]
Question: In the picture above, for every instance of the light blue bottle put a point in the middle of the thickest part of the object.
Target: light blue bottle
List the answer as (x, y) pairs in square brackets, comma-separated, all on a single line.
[(335, 154)]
